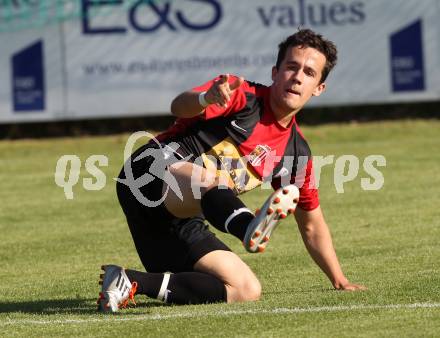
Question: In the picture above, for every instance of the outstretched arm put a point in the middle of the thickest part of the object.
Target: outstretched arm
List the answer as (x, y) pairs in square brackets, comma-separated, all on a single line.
[(188, 103), (318, 241)]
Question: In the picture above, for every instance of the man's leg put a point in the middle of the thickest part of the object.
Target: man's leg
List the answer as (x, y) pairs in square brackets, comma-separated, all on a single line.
[(219, 276), (223, 209), (203, 193), (205, 270)]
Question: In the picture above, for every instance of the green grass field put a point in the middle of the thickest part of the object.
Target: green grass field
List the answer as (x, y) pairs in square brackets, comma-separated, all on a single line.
[(52, 248)]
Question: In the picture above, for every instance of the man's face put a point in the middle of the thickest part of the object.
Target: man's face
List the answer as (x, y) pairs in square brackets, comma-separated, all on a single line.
[(297, 79)]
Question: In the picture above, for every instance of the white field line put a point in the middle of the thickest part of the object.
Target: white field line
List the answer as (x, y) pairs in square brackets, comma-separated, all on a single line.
[(225, 313)]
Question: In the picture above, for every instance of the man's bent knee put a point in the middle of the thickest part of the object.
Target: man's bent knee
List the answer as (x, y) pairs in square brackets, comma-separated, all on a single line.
[(247, 291), (241, 283)]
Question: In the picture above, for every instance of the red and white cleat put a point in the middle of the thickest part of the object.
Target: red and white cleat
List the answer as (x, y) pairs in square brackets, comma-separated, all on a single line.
[(280, 204), (117, 289)]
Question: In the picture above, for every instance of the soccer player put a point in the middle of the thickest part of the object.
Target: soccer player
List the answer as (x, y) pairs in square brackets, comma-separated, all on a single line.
[(230, 136)]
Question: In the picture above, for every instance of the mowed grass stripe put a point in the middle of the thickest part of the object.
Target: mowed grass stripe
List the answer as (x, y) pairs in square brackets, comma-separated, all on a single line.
[(275, 311)]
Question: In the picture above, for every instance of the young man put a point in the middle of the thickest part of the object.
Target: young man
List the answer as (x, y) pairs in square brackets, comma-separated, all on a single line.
[(231, 135)]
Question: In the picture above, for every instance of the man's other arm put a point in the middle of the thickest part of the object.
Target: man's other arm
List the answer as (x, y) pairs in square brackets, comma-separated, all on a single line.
[(317, 239)]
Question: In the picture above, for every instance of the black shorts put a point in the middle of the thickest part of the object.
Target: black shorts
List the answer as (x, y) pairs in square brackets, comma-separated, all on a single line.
[(163, 241)]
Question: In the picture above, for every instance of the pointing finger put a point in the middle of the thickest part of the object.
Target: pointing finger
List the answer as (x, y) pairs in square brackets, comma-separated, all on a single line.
[(224, 78)]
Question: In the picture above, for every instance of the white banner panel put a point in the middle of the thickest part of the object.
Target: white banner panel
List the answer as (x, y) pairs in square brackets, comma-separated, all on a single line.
[(134, 61)]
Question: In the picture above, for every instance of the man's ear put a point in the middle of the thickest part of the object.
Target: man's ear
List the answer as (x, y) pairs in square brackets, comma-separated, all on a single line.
[(274, 73), (319, 89)]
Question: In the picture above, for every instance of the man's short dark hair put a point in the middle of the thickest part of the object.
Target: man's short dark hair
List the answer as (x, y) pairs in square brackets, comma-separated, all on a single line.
[(308, 38)]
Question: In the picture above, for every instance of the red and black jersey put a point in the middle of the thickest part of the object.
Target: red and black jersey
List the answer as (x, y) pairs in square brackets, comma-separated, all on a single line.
[(246, 144)]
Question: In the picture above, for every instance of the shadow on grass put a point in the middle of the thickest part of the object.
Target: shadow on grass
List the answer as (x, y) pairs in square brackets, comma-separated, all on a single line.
[(63, 306)]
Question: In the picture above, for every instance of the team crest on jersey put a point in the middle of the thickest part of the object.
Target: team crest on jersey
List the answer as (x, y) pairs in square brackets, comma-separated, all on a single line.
[(257, 155)]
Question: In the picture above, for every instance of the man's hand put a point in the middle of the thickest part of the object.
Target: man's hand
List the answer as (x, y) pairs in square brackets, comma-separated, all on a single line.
[(187, 104), (350, 287), (221, 91)]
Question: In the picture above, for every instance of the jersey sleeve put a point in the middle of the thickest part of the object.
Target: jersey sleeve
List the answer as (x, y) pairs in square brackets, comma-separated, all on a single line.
[(238, 99), (305, 181), (308, 192)]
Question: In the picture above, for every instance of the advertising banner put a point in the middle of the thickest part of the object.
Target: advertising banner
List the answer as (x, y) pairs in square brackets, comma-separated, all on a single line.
[(139, 55), (31, 87)]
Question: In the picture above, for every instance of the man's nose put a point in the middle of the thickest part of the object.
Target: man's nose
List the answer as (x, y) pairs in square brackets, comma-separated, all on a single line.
[(298, 76)]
